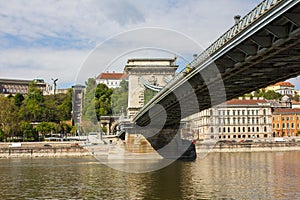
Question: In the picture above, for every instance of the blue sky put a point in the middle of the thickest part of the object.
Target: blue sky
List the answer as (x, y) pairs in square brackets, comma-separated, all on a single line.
[(54, 38)]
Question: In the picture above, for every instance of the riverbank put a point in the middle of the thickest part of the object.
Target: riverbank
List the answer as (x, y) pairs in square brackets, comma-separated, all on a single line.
[(248, 147), (69, 149), (42, 149)]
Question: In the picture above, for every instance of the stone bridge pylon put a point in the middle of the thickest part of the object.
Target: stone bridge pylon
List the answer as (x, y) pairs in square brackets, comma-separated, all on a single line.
[(147, 73)]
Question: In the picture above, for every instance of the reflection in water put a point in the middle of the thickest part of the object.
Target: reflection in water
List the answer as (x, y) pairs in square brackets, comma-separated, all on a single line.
[(267, 175)]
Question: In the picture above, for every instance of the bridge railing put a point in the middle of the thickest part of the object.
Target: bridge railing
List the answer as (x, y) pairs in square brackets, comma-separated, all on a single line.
[(242, 24)]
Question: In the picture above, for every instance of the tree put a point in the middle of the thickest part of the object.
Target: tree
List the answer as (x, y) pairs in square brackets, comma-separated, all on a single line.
[(103, 100), (45, 128), (28, 132), (18, 99), (8, 117), (296, 97), (149, 94), (119, 99), (32, 109)]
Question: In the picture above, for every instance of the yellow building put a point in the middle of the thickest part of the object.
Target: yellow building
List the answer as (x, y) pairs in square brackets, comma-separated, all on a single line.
[(285, 122)]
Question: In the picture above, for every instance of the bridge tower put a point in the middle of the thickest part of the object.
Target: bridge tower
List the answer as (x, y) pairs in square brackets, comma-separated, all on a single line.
[(146, 73)]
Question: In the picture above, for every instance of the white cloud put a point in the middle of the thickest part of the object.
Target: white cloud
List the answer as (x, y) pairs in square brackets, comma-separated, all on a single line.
[(52, 38), (41, 63)]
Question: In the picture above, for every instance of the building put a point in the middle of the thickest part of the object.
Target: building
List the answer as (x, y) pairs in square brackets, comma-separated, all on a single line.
[(236, 119), (77, 104), (112, 80), (284, 88), (285, 122), (13, 86)]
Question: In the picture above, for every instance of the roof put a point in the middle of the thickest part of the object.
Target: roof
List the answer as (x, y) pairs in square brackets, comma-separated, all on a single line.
[(278, 111), (287, 84), (245, 101), (113, 76)]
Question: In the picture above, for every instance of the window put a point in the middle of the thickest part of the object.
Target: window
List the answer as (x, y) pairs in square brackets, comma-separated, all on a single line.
[(234, 129), (292, 125), (233, 112), (238, 112), (249, 129), (228, 129), (243, 120), (239, 129), (282, 118), (211, 129), (265, 112), (243, 112), (283, 125), (257, 129), (224, 130), (220, 129), (265, 129)]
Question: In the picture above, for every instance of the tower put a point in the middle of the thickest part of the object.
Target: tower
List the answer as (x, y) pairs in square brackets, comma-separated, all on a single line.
[(146, 73)]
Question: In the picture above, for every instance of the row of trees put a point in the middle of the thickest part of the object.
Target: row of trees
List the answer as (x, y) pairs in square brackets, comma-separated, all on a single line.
[(18, 114)]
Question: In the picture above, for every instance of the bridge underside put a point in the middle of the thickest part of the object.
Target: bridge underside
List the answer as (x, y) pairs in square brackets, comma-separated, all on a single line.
[(267, 55)]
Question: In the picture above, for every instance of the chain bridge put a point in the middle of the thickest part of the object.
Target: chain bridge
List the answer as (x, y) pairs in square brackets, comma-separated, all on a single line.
[(262, 48)]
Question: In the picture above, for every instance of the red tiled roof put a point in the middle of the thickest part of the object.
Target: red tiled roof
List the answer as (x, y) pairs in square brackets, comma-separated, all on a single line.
[(114, 76), (286, 111), (288, 84), (245, 101)]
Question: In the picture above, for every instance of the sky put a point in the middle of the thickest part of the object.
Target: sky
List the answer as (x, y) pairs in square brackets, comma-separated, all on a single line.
[(75, 39)]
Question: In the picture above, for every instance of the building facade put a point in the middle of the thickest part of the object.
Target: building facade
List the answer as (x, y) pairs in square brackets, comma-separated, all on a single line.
[(286, 122), (13, 86), (236, 119), (112, 80), (284, 88)]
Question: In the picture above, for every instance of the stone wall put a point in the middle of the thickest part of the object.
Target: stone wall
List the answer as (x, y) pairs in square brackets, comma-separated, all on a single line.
[(247, 147)]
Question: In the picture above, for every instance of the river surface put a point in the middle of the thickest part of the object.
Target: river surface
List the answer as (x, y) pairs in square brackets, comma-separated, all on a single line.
[(263, 175)]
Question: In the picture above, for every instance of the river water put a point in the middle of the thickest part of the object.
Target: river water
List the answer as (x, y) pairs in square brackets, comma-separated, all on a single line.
[(263, 175)]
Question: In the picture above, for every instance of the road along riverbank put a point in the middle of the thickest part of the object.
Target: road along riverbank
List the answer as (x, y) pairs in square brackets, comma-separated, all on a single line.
[(41, 149), (247, 147)]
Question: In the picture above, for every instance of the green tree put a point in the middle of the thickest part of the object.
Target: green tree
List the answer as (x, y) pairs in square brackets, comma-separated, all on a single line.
[(296, 97), (18, 99), (45, 128), (8, 117), (271, 94), (88, 110), (32, 109), (103, 100), (1, 136), (149, 94), (28, 132), (119, 99)]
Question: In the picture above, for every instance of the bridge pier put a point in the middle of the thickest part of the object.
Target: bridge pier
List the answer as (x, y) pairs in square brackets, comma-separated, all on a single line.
[(166, 142)]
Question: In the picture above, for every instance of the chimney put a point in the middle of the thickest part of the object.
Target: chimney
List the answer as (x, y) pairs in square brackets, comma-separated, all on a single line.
[(236, 19)]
